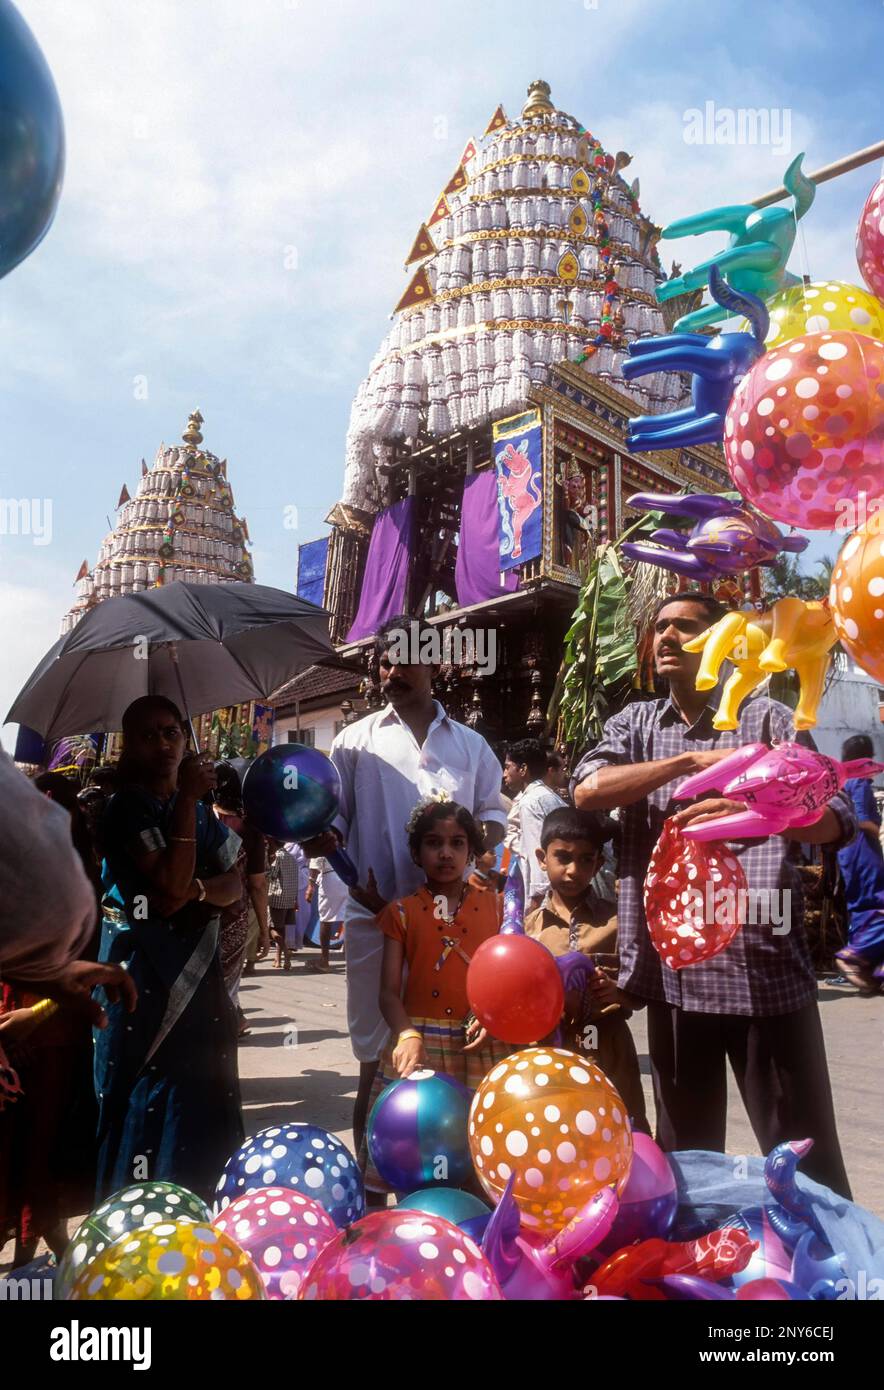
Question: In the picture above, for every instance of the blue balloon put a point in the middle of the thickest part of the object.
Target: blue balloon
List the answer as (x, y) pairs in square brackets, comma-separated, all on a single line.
[(31, 141), (303, 1157), (291, 792), (417, 1132), (460, 1208), (816, 1268)]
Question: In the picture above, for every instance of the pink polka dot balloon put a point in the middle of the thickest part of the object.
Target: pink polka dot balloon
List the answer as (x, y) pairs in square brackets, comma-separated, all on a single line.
[(283, 1231), (554, 1120), (804, 432), (403, 1256), (870, 240)]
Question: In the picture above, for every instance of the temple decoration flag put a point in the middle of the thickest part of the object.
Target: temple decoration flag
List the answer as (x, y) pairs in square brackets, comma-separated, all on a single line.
[(124, 497), (497, 122), (262, 727), (423, 246), (470, 152), (457, 181), (311, 570), (518, 461), (82, 572), (419, 291), (440, 211)]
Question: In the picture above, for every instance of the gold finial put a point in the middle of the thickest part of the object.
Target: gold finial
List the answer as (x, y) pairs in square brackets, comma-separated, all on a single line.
[(192, 434), (538, 103)]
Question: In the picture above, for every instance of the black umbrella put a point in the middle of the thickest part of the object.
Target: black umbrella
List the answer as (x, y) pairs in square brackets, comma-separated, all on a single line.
[(204, 646)]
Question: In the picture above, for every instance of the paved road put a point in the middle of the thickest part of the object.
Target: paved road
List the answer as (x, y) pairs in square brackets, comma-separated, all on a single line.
[(297, 1064)]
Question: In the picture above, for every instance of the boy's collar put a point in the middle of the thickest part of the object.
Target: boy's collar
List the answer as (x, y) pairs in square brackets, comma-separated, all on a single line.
[(582, 902)]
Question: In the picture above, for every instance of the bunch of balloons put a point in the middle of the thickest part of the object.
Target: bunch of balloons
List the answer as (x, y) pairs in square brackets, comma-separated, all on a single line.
[(800, 391)]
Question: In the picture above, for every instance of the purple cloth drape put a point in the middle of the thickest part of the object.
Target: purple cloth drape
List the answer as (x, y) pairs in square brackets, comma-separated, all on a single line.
[(477, 571), (385, 582)]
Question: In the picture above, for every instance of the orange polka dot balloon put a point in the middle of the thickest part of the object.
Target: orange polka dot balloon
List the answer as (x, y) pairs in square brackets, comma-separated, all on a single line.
[(804, 432), (553, 1119), (182, 1260), (857, 596)]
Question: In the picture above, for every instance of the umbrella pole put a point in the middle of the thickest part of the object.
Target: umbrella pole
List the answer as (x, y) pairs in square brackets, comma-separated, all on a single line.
[(173, 653)]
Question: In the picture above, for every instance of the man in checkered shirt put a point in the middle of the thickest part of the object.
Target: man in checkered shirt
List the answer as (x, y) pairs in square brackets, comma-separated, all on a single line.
[(754, 1004)]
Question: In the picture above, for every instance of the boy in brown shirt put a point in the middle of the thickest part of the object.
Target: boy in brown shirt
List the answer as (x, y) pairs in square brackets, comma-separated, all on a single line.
[(573, 918)]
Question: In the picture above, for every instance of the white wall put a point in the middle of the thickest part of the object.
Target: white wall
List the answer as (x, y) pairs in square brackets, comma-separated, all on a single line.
[(850, 706), (322, 722)]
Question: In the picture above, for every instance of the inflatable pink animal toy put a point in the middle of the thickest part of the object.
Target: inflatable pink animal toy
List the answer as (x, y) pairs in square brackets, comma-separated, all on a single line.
[(782, 787), (531, 1267)]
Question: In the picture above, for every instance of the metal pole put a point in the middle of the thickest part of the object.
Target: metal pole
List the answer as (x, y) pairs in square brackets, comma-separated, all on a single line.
[(828, 171), (173, 653)]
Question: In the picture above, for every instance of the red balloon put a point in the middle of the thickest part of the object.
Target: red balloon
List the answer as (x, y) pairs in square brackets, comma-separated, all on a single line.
[(695, 895), (515, 989)]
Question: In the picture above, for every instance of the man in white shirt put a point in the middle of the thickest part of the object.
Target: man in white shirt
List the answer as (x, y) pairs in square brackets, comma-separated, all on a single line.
[(388, 761), (524, 776)]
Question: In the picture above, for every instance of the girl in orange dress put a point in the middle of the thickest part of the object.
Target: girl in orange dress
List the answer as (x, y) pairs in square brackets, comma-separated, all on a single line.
[(434, 933)]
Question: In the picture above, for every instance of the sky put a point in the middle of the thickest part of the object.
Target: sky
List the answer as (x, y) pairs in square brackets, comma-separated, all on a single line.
[(245, 178)]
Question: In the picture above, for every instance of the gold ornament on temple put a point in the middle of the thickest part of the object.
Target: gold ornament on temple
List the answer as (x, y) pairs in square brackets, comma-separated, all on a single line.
[(191, 435), (538, 103)]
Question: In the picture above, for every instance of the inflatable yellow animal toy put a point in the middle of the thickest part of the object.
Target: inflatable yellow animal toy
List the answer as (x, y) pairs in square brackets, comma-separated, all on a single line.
[(793, 633)]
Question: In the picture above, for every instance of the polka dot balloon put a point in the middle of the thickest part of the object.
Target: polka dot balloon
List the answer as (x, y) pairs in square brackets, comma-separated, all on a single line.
[(303, 1157), (824, 306), (804, 432), (142, 1204), (180, 1260), (402, 1255), (870, 240), (692, 891), (554, 1119), (857, 596), (283, 1232)]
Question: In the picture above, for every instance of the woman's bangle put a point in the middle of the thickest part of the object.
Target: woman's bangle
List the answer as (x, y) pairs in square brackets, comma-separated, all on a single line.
[(409, 1033), (44, 1008), (201, 890), (184, 839)]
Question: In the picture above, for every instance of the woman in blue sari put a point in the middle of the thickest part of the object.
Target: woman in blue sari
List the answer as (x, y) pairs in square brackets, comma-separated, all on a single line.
[(166, 1076)]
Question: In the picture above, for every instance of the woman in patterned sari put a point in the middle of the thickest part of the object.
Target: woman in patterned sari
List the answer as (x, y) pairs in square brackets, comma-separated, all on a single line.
[(166, 1076)]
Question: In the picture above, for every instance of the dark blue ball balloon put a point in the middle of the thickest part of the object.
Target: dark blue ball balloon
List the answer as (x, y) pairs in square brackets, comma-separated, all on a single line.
[(304, 1157), (291, 792), (31, 141), (417, 1132)]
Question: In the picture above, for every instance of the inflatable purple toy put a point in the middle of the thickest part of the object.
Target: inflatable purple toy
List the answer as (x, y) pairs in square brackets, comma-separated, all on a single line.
[(728, 537), (531, 1267)]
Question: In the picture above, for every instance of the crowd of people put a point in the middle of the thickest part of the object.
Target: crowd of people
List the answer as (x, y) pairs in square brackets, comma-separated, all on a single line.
[(130, 913)]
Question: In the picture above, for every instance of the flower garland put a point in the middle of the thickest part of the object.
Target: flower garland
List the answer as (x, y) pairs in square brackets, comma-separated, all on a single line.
[(612, 289)]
